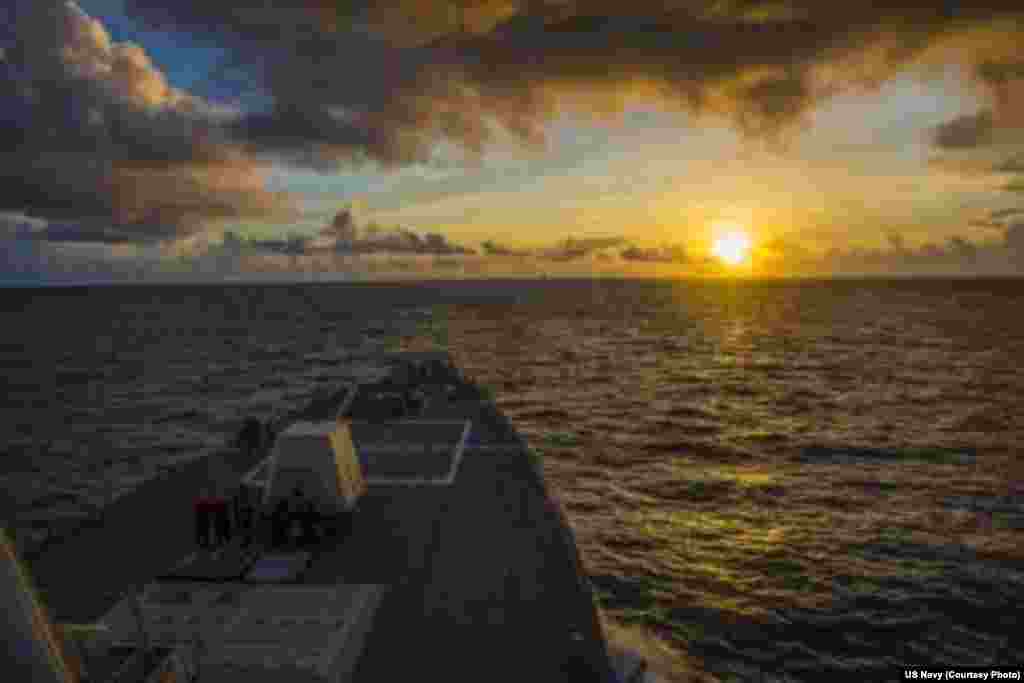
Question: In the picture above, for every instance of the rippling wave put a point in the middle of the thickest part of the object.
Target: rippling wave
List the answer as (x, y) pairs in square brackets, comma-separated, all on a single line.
[(683, 415)]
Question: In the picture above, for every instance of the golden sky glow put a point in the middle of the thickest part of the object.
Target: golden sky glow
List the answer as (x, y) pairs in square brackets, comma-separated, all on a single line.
[(823, 141)]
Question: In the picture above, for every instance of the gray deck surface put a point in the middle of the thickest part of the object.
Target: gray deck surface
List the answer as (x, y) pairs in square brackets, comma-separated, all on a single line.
[(485, 586), (485, 580), (406, 432)]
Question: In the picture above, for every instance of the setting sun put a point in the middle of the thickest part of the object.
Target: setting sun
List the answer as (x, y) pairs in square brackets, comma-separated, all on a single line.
[(732, 248)]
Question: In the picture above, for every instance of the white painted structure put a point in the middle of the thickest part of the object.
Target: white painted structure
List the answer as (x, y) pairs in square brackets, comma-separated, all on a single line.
[(321, 458)]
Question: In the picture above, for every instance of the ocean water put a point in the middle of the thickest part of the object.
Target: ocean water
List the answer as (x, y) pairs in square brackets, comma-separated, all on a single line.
[(702, 436)]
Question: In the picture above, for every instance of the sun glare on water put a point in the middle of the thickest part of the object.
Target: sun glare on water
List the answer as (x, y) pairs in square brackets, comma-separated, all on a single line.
[(732, 248)]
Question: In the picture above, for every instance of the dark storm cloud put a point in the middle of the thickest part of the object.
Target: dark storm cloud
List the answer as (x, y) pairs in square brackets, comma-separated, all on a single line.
[(77, 232), (998, 219), (291, 246), (569, 249), (573, 249), (389, 79), (91, 129), (655, 255), (966, 131), (1015, 165), (343, 235), (1002, 214), (342, 228), (895, 241), (492, 248), (22, 226), (1005, 81), (403, 241), (963, 249), (988, 142)]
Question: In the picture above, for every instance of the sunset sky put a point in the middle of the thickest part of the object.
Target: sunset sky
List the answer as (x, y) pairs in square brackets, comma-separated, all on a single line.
[(502, 137)]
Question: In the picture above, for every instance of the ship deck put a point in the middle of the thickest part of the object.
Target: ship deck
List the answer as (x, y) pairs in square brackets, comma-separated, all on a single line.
[(139, 535), (481, 577)]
